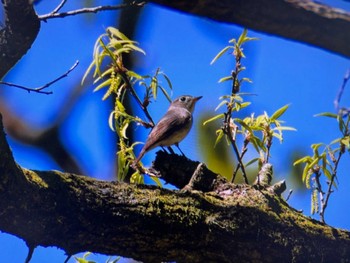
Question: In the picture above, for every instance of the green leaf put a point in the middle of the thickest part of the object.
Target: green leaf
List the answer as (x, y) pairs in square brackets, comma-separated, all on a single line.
[(327, 173), (136, 178), (222, 103), (165, 93), (241, 38), (223, 51), (278, 136), (168, 81), (336, 141), (111, 121), (315, 148), (279, 113), (103, 75), (225, 79), (327, 114), (251, 162), (133, 74), (154, 86), (305, 159), (104, 84), (92, 64), (136, 48), (219, 116), (157, 181), (342, 127), (284, 128), (219, 134), (245, 125), (246, 80), (346, 141), (115, 32)]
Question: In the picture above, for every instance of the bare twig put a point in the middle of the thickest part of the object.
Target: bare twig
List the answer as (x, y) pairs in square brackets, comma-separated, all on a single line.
[(41, 88), (289, 194), (55, 14), (228, 115), (342, 111), (324, 202), (58, 8)]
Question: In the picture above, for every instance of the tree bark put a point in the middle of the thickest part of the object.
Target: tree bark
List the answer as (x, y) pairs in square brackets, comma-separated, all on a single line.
[(228, 223), (300, 20), (210, 220), (17, 36)]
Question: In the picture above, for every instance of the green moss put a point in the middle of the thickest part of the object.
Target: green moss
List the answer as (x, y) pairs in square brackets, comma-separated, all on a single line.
[(34, 178)]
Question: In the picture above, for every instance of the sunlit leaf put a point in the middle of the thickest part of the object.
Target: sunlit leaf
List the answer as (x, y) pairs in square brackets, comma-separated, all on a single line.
[(223, 51), (165, 93), (305, 159), (247, 80), (87, 72), (225, 79), (222, 103), (242, 37), (104, 84), (251, 162), (219, 116), (327, 173), (219, 135), (111, 121), (284, 128), (245, 125), (168, 81), (327, 114), (115, 32), (346, 141), (134, 74), (278, 113)]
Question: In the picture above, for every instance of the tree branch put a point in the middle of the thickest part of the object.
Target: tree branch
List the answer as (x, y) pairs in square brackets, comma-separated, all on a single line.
[(232, 223), (16, 37), (300, 20), (41, 88), (86, 10)]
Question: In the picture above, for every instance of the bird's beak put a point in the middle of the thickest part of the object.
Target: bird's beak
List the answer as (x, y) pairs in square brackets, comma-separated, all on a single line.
[(198, 98)]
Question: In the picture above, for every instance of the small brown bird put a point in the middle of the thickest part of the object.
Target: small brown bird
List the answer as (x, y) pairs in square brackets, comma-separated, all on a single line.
[(173, 126)]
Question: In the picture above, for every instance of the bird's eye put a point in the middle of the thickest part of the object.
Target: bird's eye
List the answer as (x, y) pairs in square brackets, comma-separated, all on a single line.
[(183, 99)]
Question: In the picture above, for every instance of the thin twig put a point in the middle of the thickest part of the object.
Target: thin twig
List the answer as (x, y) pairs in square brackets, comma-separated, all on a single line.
[(41, 88), (340, 93), (329, 190), (133, 93), (86, 10), (58, 8), (244, 150), (289, 194), (228, 115)]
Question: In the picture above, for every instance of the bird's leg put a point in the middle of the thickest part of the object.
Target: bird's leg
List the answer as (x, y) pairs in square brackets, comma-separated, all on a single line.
[(171, 150), (177, 145)]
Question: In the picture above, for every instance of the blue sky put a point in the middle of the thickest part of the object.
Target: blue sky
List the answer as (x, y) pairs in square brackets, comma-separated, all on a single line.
[(283, 72)]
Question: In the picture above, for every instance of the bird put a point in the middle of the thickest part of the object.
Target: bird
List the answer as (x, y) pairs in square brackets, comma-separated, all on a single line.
[(172, 127)]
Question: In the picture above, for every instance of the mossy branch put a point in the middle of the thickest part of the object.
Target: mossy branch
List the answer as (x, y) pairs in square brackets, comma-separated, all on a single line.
[(147, 223)]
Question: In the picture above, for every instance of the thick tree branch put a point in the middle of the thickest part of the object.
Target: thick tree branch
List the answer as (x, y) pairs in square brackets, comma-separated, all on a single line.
[(235, 223), (301, 20), (16, 37)]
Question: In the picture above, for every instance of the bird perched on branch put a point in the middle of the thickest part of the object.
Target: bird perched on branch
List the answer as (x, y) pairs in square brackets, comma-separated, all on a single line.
[(173, 126)]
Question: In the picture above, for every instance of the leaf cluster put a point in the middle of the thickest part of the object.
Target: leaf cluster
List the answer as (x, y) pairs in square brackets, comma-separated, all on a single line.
[(255, 130), (323, 164), (110, 73)]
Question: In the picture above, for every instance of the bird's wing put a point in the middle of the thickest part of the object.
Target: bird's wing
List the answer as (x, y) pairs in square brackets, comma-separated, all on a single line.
[(174, 124)]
